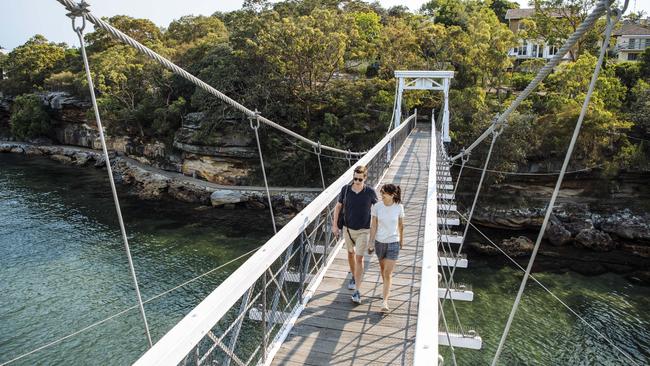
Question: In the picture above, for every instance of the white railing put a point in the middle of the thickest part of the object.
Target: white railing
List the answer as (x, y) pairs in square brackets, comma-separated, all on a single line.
[(637, 44), (426, 340), (245, 320)]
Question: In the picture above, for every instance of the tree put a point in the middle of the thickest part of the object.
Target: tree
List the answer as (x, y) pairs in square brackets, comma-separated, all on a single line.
[(400, 48), (29, 118), (500, 7), (446, 12), (28, 65), (644, 64), (142, 30), (307, 50), (556, 20)]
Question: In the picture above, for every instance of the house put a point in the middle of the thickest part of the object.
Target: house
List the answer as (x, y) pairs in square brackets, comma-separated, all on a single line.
[(632, 39), (529, 48)]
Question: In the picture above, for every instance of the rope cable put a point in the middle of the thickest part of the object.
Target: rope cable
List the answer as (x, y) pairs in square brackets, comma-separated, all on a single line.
[(100, 322), (531, 174), (91, 89), (83, 12), (532, 277), (590, 20), (255, 126), (549, 210)]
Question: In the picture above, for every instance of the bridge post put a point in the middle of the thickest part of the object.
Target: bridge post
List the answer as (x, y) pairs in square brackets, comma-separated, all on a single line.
[(398, 103), (445, 112)]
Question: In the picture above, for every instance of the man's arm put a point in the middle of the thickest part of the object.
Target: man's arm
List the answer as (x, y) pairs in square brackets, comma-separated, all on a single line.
[(335, 227)]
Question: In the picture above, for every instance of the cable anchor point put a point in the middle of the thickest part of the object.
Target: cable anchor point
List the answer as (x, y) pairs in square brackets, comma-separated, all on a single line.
[(254, 118), (78, 11)]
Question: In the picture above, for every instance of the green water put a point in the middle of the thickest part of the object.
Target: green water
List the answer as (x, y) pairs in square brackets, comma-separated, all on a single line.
[(544, 332), (62, 267), (63, 264)]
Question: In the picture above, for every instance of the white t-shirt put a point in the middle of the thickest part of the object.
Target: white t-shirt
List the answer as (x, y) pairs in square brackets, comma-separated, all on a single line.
[(387, 219)]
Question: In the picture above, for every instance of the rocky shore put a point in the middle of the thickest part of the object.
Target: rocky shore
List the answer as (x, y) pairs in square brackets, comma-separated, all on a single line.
[(152, 183), (576, 239)]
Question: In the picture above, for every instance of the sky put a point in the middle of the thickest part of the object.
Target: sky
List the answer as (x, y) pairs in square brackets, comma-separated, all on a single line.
[(21, 19)]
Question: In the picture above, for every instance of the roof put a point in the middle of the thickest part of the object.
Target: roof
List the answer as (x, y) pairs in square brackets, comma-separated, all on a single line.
[(519, 13), (630, 29), (526, 13)]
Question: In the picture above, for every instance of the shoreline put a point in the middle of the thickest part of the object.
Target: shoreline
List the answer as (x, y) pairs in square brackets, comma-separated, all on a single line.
[(151, 183)]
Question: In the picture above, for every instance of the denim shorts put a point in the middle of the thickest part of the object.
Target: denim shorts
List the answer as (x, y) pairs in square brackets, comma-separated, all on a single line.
[(387, 250)]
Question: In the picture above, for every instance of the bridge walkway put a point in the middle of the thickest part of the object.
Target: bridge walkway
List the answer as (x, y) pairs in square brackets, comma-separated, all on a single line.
[(334, 331)]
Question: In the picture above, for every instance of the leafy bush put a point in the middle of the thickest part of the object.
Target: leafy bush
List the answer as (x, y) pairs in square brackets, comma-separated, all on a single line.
[(520, 81), (29, 117)]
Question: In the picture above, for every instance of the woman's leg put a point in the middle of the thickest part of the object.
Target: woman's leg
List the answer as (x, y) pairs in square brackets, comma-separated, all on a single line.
[(387, 270), (381, 269)]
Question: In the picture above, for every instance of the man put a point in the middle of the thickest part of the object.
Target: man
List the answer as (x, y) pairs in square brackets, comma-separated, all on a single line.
[(356, 200)]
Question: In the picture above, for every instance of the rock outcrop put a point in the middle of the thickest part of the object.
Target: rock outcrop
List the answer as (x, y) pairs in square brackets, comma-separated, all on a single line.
[(514, 247), (151, 183)]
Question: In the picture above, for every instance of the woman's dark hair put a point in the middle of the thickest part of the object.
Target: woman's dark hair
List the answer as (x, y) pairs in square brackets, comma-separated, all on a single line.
[(394, 190)]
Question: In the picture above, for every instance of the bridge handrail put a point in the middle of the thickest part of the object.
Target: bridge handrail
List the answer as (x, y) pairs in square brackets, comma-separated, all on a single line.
[(190, 333), (426, 340)]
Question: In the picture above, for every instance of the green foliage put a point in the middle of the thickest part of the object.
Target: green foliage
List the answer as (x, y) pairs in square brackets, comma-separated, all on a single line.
[(27, 66), (519, 81), (29, 118), (644, 64), (500, 7), (325, 69), (555, 20), (628, 73), (307, 50), (640, 107), (143, 30), (446, 12)]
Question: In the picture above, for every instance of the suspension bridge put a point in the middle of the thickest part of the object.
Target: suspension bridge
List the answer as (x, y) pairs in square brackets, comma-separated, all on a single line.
[(288, 304)]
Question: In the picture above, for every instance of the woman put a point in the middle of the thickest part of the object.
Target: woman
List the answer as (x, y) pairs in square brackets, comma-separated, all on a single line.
[(387, 234)]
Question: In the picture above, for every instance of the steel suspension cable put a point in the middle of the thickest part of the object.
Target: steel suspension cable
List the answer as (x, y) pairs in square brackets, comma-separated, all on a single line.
[(255, 126), (463, 160), (82, 11), (565, 305), (599, 10), (565, 164), (91, 89), (100, 322)]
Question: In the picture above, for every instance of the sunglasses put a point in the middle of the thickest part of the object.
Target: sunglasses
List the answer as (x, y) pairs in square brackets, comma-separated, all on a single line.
[(358, 179)]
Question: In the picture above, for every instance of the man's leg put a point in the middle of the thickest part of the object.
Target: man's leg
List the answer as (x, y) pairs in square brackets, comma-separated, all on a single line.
[(361, 246), (358, 273), (350, 249)]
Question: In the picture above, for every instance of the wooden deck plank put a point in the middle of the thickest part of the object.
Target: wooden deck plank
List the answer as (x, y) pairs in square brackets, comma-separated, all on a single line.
[(334, 331)]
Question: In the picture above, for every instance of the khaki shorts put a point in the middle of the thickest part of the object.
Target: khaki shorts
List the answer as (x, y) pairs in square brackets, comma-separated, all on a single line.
[(360, 237)]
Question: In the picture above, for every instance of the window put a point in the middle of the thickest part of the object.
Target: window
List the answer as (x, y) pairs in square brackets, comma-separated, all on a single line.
[(632, 56), (552, 50), (540, 51), (631, 44), (523, 49)]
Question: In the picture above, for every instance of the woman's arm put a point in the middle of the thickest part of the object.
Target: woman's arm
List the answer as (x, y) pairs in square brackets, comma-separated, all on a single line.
[(373, 232), (400, 227)]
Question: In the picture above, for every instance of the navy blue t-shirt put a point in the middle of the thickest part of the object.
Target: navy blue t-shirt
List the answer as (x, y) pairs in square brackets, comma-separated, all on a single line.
[(357, 206)]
